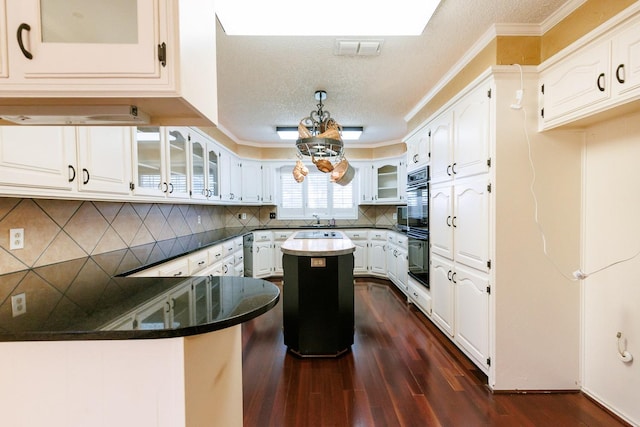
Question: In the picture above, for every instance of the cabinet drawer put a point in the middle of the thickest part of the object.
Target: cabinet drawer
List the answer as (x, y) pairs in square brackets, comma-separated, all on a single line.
[(282, 235), (377, 235), (401, 240), (198, 262), (228, 248), (178, 268), (237, 243), (356, 234), (420, 297), (262, 236), (215, 254)]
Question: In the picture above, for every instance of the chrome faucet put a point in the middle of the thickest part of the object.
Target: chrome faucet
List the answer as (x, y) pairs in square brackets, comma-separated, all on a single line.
[(317, 217)]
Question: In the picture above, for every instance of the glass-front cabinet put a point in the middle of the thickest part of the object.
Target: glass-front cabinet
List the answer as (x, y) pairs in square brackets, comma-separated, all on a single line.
[(205, 178), (161, 160), (52, 36)]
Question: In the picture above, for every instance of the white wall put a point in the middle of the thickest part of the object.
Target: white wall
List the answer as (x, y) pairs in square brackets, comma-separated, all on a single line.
[(612, 232)]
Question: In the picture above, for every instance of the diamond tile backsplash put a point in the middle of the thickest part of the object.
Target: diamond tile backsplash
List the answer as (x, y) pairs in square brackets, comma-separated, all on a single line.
[(63, 230)]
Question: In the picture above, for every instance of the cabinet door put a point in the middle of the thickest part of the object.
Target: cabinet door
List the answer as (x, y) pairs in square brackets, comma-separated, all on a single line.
[(177, 151), (378, 257), (268, 184), (580, 81), (230, 178), (442, 306), (626, 60), (402, 270), (418, 149), (104, 156), (4, 55), (471, 222), (198, 167), (213, 172), (251, 181), (366, 191), (360, 256), (472, 313), (262, 259), (149, 161), (392, 254), (386, 176), (181, 307), (441, 220), (111, 38), (441, 147), (471, 134), (38, 156)]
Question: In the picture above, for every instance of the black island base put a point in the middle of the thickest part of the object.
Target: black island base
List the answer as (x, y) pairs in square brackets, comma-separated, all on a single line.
[(318, 310)]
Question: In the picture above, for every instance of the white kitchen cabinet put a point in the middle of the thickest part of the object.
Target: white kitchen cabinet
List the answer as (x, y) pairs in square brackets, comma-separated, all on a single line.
[(104, 159), (38, 157), (441, 289), (378, 252), (383, 182), (230, 177), (39, 161), (279, 236), (4, 62), (441, 129), (268, 184), (397, 264), (440, 221), (470, 222), (418, 149), (419, 296), (472, 312), (129, 52), (360, 239), (161, 162), (263, 254), (204, 167), (591, 78), (471, 133), (251, 182), (576, 83)]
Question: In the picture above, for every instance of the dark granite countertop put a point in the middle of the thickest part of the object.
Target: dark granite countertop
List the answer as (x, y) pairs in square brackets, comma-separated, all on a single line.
[(84, 298)]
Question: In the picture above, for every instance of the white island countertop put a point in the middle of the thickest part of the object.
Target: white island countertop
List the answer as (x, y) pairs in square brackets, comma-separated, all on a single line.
[(318, 243)]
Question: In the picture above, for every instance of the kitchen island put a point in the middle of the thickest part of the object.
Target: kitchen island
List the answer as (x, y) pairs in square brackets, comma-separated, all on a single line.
[(318, 311), (123, 351)]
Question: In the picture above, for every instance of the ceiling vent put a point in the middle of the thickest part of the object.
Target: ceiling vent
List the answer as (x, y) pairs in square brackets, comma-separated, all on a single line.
[(74, 115), (357, 47)]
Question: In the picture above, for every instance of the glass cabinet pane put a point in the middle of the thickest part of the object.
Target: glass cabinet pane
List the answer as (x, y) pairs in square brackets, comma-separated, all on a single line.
[(178, 161), (181, 310), (214, 190), (149, 147), (387, 182), (153, 319), (200, 286), (198, 168), (89, 21)]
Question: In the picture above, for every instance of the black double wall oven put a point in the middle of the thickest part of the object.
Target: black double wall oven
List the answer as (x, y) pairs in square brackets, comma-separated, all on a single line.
[(417, 215)]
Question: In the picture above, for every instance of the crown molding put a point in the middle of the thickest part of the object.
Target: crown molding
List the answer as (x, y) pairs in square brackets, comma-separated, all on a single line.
[(563, 11)]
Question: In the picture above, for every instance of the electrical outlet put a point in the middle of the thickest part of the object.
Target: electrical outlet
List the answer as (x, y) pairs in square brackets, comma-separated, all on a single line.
[(272, 215), (16, 238), (244, 215), (199, 220), (18, 304), (395, 216)]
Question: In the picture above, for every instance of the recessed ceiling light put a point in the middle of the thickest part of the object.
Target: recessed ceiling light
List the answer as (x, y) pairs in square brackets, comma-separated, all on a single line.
[(290, 133), (330, 18)]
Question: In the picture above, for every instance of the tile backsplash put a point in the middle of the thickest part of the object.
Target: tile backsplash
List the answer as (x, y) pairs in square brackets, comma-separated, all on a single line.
[(63, 230)]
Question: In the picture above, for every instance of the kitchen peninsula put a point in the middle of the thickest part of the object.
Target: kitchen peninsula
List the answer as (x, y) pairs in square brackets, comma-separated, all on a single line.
[(139, 351), (318, 311)]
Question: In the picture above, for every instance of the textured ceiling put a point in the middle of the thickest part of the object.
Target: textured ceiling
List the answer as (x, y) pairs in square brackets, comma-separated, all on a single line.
[(265, 82)]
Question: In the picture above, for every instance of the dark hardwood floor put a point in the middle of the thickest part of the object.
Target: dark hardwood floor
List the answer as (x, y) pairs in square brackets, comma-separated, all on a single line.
[(401, 372)]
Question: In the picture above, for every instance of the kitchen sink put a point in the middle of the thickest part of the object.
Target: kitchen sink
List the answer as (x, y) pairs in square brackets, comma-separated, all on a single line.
[(318, 235)]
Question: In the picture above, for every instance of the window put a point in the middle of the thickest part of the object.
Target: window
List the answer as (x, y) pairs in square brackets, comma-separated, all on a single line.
[(315, 195)]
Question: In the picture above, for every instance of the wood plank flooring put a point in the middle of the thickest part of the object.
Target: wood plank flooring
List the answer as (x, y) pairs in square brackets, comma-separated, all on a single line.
[(401, 371)]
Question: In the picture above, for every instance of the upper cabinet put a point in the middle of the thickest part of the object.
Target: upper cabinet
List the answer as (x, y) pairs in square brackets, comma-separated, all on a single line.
[(160, 163), (129, 53), (418, 149), (383, 182), (592, 78), (42, 160)]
